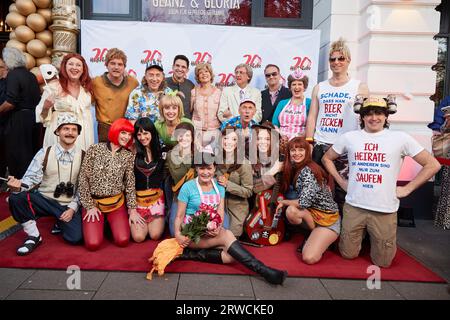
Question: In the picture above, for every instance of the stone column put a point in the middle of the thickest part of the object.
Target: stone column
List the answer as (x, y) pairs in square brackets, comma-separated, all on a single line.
[(65, 29)]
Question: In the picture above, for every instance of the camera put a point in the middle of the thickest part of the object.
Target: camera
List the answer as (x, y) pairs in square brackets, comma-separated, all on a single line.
[(64, 188)]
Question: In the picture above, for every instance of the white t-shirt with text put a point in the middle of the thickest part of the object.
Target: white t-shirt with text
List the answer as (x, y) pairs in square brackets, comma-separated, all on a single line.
[(375, 161)]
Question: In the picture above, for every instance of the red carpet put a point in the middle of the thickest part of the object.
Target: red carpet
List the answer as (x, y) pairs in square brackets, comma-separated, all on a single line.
[(54, 253)]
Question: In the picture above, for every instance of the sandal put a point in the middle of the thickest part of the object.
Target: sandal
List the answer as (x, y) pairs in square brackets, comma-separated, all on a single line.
[(30, 244)]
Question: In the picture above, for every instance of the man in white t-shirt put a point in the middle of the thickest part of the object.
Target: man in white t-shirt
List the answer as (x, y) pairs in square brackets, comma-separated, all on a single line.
[(331, 112), (375, 156)]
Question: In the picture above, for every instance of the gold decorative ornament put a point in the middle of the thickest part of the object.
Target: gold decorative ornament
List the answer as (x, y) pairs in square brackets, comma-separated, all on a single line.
[(44, 60), (31, 62), (65, 29), (12, 8), (15, 19), (24, 33), (25, 7), (42, 4), (16, 44), (36, 22), (47, 14), (46, 37), (37, 48)]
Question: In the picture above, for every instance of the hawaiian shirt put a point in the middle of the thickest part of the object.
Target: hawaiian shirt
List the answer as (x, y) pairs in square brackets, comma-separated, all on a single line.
[(143, 103)]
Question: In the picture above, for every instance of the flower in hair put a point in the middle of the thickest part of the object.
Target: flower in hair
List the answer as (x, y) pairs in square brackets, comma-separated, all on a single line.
[(298, 74)]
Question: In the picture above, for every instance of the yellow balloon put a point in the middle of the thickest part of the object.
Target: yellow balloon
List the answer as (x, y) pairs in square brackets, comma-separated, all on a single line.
[(42, 4), (37, 48), (46, 37), (31, 62), (16, 44), (47, 14), (25, 7), (24, 34), (49, 52), (15, 19), (36, 22), (12, 35)]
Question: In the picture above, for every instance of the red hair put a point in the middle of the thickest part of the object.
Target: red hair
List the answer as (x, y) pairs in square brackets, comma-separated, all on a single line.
[(117, 127), (291, 170), (85, 79)]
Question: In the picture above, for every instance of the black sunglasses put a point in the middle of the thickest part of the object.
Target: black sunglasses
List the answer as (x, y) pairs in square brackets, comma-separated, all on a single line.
[(273, 74), (340, 59)]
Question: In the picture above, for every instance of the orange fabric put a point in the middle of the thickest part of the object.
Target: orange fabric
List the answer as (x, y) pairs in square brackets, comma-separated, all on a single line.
[(110, 204), (146, 198), (166, 251), (322, 218), (111, 102)]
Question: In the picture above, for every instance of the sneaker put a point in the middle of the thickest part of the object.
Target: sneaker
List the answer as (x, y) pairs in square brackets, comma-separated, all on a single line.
[(56, 229)]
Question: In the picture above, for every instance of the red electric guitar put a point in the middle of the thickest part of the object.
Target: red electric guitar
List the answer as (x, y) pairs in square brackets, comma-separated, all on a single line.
[(263, 225)]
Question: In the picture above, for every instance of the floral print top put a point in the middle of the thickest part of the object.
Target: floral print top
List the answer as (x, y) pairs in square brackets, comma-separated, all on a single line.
[(143, 103)]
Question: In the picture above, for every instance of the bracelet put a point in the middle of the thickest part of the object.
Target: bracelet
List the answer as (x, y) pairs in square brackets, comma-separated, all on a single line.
[(310, 140)]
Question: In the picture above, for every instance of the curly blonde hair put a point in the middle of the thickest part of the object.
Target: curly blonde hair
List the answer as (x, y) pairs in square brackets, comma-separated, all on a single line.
[(341, 46)]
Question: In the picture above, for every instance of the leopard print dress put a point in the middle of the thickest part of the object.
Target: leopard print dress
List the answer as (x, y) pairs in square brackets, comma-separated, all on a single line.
[(442, 218)]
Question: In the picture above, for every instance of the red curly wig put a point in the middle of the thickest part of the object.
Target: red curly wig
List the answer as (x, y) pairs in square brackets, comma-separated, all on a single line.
[(85, 79), (117, 127)]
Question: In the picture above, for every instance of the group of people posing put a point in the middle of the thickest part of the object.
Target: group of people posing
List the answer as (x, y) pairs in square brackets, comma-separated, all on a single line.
[(166, 146)]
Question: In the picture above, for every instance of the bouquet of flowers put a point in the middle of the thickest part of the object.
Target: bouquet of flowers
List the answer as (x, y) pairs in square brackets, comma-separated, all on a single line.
[(206, 218)]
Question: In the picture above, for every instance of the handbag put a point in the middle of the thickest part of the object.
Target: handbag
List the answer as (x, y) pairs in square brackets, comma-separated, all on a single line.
[(109, 204), (441, 145)]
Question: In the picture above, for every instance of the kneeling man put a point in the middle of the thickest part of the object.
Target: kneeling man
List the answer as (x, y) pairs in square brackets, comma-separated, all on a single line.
[(375, 155), (52, 178)]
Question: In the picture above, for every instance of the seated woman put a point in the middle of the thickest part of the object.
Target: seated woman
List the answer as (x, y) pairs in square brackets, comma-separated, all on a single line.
[(171, 114), (291, 114), (105, 175), (235, 175), (148, 171), (315, 206), (218, 245), (179, 164)]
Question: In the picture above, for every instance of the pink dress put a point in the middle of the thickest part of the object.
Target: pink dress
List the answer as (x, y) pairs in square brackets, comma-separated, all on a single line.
[(293, 120)]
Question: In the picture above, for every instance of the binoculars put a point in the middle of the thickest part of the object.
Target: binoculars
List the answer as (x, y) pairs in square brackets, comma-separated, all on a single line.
[(64, 188)]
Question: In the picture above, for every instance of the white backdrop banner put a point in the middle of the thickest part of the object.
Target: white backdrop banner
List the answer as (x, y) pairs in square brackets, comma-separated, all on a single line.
[(223, 46)]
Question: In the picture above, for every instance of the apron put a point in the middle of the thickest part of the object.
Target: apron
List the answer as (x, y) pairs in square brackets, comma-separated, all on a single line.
[(209, 199), (293, 120)]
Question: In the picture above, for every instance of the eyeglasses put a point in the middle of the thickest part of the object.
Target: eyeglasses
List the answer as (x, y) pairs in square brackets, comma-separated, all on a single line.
[(273, 74), (240, 72), (340, 59)]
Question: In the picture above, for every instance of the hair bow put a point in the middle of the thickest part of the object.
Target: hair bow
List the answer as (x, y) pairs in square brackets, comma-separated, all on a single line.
[(298, 74), (173, 93)]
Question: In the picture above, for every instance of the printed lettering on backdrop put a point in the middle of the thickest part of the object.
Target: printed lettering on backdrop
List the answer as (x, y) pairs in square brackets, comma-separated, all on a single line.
[(222, 46)]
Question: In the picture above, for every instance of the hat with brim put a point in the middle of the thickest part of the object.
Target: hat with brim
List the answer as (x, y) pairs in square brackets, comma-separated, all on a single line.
[(67, 118), (154, 64), (247, 100)]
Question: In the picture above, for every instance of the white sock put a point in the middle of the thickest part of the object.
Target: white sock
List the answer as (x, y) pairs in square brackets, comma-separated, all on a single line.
[(30, 228)]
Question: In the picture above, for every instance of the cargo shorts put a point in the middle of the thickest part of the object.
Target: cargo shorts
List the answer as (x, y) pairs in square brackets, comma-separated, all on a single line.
[(382, 228)]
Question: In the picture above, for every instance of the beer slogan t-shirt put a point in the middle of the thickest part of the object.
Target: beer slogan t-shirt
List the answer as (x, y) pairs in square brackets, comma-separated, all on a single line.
[(375, 161), (336, 114)]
